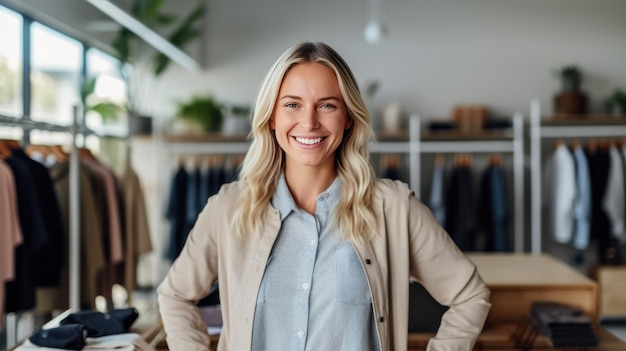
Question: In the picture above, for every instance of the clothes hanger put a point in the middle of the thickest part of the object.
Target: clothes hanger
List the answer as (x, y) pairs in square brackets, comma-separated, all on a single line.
[(85, 154), (592, 145), (495, 160), (558, 143), (440, 160), (604, 144), (5, 151), (469, 159), (59, 153), (11, 143)]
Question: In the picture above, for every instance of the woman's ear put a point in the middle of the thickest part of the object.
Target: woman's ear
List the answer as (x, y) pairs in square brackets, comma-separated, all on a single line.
[(349, 123), (272, 126)]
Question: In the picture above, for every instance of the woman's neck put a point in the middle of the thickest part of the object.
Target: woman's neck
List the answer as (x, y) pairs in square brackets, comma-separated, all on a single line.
[(306, 184)]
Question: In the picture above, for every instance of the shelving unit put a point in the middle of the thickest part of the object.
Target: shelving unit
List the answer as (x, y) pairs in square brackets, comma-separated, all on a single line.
[(414, 143), (560, 127)]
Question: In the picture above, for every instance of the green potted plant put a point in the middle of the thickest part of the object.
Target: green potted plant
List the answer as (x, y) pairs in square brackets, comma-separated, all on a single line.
[(571, 78), (203, 110), (616, 103), (571, 100), (109, 111), (139, 63)]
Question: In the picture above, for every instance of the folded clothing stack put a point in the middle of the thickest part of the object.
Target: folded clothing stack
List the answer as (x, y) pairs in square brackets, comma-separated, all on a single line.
[(73, 331), (566, 326)]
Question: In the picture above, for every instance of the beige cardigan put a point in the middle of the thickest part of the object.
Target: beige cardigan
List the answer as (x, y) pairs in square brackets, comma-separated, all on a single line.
[(410, 244)]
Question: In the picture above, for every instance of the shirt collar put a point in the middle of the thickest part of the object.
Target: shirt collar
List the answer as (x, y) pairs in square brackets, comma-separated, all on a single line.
[(284, 202)]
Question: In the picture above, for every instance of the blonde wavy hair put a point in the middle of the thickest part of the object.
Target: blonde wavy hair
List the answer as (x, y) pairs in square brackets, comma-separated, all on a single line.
[(264, 162)]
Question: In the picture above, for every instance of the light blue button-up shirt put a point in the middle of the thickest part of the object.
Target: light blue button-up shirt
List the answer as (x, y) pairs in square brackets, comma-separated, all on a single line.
[(582, 203), (314, 294)]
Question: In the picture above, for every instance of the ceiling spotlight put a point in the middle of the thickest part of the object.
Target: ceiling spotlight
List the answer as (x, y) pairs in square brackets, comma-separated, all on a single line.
[(375, 29)]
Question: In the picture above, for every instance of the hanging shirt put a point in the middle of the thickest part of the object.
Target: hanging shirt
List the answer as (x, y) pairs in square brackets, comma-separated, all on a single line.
[(493, 211), (10, 231), (53, 253), (582, 202), (20, 292), (613, 201), (177, 213), (461, 209), (560, 188), (437, 197), (314, 294)]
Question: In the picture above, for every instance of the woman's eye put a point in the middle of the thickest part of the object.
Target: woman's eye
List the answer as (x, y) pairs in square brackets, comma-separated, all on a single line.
[(327, 106), (291, 105)]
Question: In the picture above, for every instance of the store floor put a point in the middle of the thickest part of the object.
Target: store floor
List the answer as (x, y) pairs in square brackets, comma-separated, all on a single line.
[(617, 328)]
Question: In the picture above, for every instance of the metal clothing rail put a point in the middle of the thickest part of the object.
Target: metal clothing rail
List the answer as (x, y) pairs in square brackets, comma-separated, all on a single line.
[(513, 145), (76, 128), (27, 124), (539, 132)]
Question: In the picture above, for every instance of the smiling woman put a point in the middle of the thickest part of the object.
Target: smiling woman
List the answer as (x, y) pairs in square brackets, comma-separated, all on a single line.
[(311, 251), (309, 122)]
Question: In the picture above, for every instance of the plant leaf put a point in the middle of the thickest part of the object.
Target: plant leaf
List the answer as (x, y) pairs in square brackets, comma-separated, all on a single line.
[(180, 36), (121, 45), (87, 89), (109, 111), (165, 19), (161, 62)]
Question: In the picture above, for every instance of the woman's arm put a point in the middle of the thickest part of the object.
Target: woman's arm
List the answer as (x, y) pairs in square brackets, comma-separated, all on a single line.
[(189, 279), (450, 277)]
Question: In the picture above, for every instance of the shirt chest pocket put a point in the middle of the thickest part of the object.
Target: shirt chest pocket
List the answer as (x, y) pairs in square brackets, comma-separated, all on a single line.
[(352, 287)]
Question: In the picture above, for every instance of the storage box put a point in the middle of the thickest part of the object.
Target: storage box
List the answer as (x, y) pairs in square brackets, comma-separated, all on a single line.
[(612, 286), (518, 280)]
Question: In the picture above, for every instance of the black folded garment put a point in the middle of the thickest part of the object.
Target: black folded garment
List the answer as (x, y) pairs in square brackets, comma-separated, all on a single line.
[(69, 337), (565, 325), (102, 324)]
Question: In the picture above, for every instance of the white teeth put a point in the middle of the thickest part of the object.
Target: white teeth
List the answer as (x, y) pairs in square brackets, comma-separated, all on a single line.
[(308, 141)]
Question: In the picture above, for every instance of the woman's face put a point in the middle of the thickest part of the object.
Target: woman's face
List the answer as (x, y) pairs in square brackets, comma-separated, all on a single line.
[(310, 116)]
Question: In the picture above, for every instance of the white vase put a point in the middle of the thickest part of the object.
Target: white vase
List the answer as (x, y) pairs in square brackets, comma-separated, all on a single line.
[(392, 118), (234, 125)]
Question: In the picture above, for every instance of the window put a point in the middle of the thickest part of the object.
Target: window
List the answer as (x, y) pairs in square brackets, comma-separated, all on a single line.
[(55, 75), (109, 94), (10, 63)]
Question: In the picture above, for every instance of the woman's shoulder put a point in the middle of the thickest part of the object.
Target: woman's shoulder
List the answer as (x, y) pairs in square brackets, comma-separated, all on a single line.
[(229, 193), (385, 187)]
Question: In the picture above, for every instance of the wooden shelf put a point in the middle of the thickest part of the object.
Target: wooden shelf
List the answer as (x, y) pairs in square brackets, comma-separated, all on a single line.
[(213, 137), (381, 136), (582, 120), (481, 134), (518, 280)]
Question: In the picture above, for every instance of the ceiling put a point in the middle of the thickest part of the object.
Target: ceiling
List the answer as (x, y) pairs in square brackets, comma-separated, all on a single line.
[(80, 20)]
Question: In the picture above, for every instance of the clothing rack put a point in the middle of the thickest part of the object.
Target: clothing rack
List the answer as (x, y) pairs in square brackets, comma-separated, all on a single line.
[(414, 147), (76, 128), (513, 145), (27, 125), (540, 132)]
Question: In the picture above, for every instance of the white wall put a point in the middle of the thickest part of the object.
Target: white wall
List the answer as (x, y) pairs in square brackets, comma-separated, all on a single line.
[(438, 53)]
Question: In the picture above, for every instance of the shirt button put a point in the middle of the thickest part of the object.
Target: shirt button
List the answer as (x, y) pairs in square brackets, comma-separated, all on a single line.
[(313, 242), (300, 334), (381, 319), (305, 286), (368, 261)]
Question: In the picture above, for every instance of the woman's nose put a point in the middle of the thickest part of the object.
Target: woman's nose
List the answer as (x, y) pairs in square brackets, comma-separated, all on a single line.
[(310, 119)]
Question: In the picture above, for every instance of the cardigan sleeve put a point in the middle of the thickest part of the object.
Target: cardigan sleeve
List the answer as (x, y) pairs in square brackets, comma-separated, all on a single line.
[(450, 277), (190, 278)]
